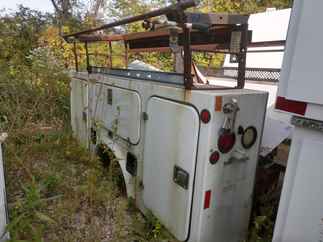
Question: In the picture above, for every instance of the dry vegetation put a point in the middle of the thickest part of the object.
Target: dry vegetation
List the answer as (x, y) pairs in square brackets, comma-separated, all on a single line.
[(57, 191)]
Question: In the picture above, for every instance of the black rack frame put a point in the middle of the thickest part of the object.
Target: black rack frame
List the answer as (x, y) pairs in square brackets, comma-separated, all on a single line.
[(185, 21)]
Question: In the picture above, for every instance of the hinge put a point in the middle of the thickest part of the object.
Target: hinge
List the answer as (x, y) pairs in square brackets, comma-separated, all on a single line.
[(181, 177), (145, 116), (93, 135)]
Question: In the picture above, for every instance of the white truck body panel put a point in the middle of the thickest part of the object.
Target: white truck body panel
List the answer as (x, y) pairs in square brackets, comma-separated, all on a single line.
[(122, 106), (179, 127), (302, 72), (79, 110), (3, 199), (300, 214), (172, 134), (231, 198)]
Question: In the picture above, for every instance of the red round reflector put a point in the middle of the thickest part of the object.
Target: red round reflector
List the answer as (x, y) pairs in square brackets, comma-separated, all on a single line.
[(226, 142), (205, 116), (215, 156)]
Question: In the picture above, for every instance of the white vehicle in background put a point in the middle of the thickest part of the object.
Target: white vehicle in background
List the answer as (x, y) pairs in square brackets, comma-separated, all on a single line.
[(188, 150), (4, 235)]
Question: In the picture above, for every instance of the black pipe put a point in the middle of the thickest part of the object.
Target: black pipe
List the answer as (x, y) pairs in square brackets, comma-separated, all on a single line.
[(182, 5), (87, 58)]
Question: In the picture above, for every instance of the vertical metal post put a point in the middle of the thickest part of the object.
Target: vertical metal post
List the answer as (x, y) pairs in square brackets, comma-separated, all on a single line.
[(126, 53), (188, 79), (87, 58), (242, 56), (110, 53), (75, 57)]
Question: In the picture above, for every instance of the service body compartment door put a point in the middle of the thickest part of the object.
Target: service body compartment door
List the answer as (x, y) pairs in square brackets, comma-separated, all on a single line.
[(119, 110), (171, 140), (79, 110)]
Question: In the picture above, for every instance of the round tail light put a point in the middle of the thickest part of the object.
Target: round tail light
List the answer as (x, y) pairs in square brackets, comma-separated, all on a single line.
[(226, 142), (205, 116), (214, 157)]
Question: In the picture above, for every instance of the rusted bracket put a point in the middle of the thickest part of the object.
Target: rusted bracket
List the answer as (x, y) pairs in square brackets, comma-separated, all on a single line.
[(75, 57), (242, 57)]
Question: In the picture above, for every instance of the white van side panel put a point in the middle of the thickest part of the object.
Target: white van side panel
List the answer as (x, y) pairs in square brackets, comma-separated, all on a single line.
[(175, 144)]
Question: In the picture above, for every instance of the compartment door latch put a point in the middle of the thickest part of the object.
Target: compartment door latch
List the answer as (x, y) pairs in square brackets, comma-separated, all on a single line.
[(181, 177)]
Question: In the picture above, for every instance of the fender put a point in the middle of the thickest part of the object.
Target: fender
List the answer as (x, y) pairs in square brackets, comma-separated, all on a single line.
[(121, 155)]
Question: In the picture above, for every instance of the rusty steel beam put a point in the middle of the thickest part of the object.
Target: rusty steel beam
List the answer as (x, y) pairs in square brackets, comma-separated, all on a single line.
[(188, 79), (126, 57), (75, 57), (221, 38), (242, 57), (110, 54), (100, 37), (267, 43), (87, 57)]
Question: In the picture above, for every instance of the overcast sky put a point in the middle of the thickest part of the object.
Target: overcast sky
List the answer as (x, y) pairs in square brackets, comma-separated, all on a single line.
[(41, 5)]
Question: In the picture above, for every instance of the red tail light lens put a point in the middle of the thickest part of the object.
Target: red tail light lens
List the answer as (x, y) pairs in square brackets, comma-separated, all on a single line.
[(207, 199), (215, 156), (205, 116), (226, 142)]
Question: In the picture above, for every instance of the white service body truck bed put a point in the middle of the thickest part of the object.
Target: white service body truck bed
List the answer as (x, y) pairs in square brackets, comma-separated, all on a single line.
[(177, 161)]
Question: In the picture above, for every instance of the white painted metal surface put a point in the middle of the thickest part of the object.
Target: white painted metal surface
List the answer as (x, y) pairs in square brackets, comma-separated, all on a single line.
[(231, 183), (4, 236), (170, 140), (170, 135), (300, 214), (302, 73), (277, 127), (79, 110), (118, 110)]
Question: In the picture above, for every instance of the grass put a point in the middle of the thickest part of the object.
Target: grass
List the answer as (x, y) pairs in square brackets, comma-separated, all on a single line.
[(57, 191)]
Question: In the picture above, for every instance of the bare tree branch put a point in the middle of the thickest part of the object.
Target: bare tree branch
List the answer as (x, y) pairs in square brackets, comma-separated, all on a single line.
[(96, 5), (55, 6)]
